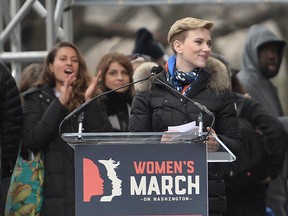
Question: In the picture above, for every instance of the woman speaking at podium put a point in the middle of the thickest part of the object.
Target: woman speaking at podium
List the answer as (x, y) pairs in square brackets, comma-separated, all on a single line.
[(159, 104)]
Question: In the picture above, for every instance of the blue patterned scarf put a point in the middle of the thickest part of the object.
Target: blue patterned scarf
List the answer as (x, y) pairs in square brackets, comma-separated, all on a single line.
[(178, 79)]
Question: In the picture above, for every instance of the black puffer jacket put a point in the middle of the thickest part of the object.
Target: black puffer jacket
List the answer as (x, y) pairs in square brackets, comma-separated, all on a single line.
[(10, 121), (253, 111), (117, 106), (160, 107), (43, 114)]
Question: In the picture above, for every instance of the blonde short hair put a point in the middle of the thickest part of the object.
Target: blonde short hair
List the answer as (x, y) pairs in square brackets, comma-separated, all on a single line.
[(179, 29)]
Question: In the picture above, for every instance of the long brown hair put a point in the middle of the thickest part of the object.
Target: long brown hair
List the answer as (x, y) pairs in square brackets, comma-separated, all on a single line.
[(83, 78), (104, 65), (30, 76)]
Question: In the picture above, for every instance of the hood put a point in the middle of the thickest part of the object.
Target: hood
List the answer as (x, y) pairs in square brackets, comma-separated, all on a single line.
[(218, 80), (141, 72), (256, 36)]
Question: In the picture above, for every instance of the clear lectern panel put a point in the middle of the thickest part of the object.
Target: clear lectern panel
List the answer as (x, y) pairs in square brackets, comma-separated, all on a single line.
[(135, 138)]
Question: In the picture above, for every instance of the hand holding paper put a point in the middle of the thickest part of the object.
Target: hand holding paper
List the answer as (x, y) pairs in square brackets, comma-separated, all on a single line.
[(185, 131)]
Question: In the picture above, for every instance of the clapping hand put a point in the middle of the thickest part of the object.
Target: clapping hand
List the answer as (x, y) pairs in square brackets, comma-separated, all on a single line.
[(66, 89), (90, 92)]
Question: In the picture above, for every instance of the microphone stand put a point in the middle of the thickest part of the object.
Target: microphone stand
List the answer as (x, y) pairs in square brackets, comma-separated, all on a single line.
[(90, 102)]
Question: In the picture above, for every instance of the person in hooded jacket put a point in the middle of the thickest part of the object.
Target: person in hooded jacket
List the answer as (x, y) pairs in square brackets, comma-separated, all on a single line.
[(257, 125), (64, 85), (262, 153), (113, 71), (155, 106), (261, 61), (10, 127), (262, 58)]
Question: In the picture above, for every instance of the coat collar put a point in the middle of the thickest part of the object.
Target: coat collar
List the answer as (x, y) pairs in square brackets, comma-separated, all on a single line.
[(218, 78)]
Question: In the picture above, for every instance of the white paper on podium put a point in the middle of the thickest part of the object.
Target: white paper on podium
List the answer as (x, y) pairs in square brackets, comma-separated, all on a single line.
[(191, 126), (189, 130)]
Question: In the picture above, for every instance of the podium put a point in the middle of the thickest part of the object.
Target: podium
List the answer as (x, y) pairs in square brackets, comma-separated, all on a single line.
[(135, 173)]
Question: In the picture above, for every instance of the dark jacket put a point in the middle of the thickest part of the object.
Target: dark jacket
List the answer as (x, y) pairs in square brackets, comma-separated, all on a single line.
[(262, 155), (10, 121), (262, 152), (43, 114), (272, 129), (117, 106), (160, 107)]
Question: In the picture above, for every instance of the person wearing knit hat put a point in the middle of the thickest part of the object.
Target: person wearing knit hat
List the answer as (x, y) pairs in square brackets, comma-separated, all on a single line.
[(145, 44)]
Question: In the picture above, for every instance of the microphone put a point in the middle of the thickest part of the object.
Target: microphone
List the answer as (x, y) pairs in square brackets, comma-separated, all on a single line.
[(200, 120), (158, 69), (83, 107), (80, 124)]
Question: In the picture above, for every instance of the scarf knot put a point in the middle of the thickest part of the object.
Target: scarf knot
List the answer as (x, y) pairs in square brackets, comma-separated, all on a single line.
[(178, 79)]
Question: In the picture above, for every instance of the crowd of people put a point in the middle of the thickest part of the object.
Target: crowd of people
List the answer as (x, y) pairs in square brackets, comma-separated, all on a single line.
[(244, 102)]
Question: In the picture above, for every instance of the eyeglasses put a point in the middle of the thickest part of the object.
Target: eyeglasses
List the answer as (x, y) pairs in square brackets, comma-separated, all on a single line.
[(138, 55)]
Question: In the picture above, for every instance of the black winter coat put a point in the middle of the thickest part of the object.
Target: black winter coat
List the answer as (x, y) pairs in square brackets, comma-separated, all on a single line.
[(117, 107), (272, 129), (157, 108), (43, 114), (10, 121)]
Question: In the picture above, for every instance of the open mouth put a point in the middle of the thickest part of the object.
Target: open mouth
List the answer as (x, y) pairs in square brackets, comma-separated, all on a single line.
[(68, 71), (272, 67)]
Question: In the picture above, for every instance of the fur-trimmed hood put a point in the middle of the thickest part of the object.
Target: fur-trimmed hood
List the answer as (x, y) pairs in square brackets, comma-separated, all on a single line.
[(218, 81)]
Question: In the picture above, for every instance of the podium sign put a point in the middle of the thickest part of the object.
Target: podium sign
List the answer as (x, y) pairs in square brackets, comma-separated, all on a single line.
[(145, 179)]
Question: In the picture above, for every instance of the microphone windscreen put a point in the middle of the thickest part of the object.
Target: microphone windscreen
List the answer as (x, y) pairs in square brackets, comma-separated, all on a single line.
[(142, 71), (157, 69)]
